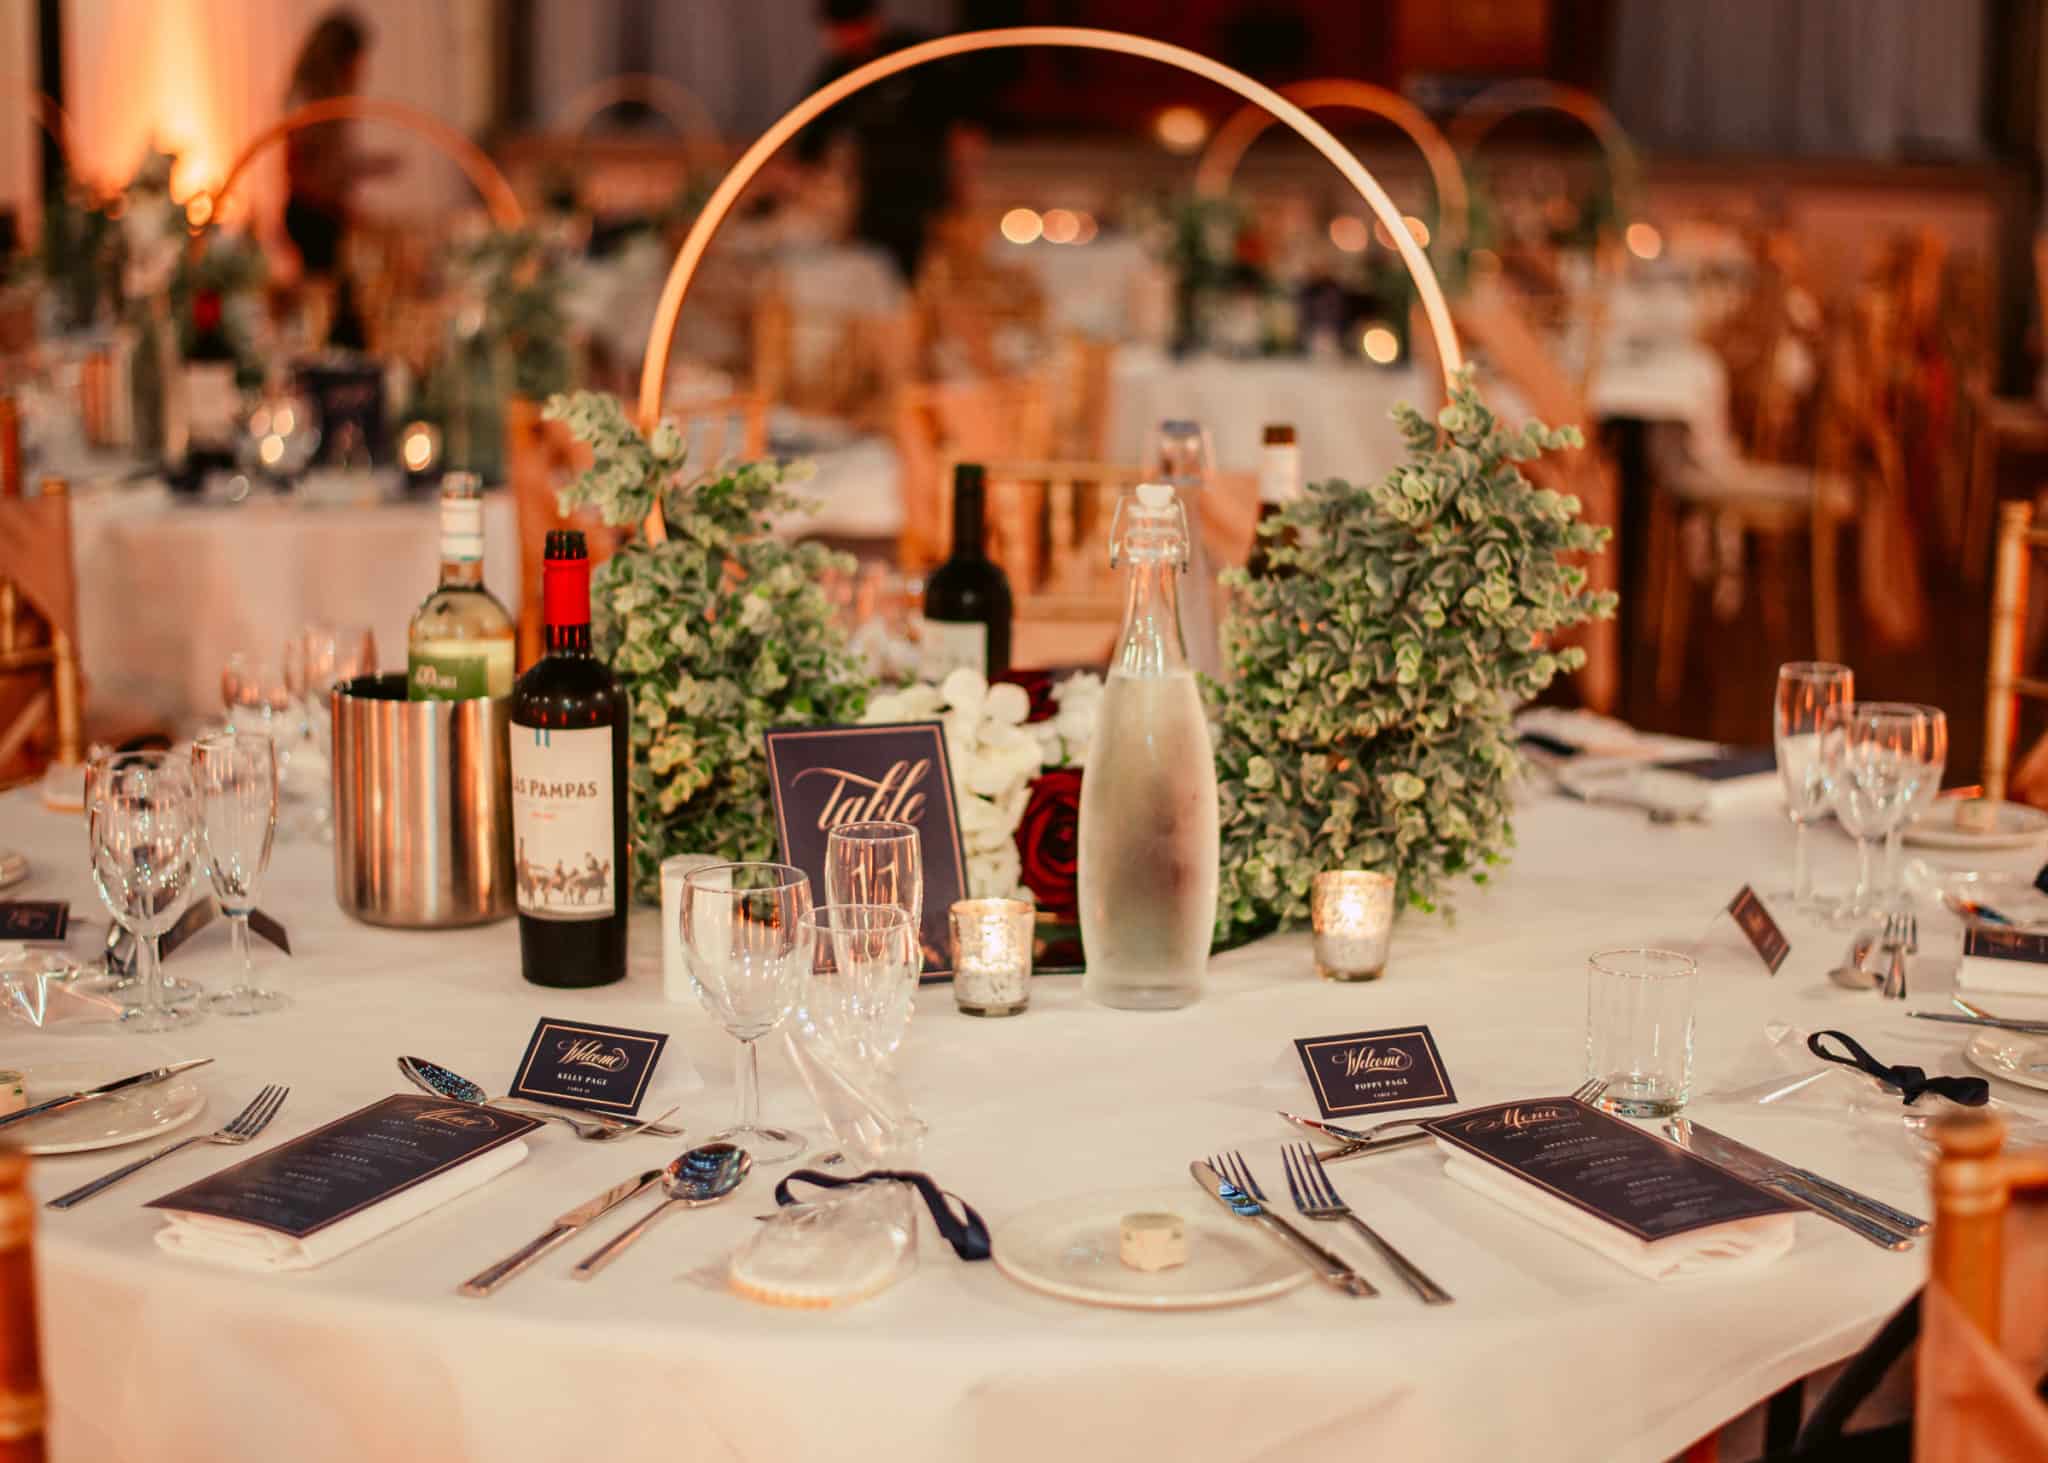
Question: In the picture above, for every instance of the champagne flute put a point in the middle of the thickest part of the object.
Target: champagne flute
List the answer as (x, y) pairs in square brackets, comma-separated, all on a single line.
[(878, 863), (1807, 691), (142, 827), (747, 950), (235, 775), (1874, 755)]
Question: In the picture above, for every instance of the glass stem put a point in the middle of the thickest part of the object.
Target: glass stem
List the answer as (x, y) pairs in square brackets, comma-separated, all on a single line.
[(746, 1075), (1893, 892), (1802, 870), (1863, 873), (238, 928), (152, 972)]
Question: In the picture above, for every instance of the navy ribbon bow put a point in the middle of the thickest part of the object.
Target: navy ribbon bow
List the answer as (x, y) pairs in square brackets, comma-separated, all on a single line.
[(1911, 1081), (964, 1231)]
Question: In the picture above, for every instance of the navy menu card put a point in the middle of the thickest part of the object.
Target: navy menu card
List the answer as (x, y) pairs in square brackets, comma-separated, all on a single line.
[(1607, 1167), (34, 919), (1375, 1071), (579, 1064), (1759, 928), (302, 1187), (828, 775)]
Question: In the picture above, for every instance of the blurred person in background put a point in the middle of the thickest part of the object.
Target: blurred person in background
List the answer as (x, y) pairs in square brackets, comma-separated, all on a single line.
[(322, 165)]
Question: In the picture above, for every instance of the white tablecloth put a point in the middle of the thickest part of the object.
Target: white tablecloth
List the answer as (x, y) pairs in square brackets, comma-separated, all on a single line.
[(168, 589), (1549, 1353)]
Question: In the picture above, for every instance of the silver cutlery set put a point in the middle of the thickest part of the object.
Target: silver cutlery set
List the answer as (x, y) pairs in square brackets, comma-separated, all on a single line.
[(1894, 941)]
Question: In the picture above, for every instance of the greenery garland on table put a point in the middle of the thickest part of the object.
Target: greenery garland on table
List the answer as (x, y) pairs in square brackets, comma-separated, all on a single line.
[(1367, 724), (716, 635)]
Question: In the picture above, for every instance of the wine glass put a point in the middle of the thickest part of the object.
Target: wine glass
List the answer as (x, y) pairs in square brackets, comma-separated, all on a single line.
[(142, 825), (1807, 691), (1933, 767), (235, 776), (747, 951), (330, 653), (850, 1019), (878, 863), (1874, 755)]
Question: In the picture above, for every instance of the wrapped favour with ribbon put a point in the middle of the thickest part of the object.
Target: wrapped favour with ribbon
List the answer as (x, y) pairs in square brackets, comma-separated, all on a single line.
[(1912, 1083), (853, 1243)]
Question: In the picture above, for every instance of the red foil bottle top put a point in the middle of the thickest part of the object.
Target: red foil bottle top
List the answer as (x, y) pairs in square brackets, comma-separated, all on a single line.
[(565, 579)]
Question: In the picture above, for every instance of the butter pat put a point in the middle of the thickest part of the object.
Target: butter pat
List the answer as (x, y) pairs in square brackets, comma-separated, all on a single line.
[(1152, 1241)]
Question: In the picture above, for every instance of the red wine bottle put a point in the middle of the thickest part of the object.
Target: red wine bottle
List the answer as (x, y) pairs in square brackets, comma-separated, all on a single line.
[(967, 599), (569, 790)]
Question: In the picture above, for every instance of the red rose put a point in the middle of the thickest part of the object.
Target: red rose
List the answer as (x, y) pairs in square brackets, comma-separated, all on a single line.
[(1047, 839)]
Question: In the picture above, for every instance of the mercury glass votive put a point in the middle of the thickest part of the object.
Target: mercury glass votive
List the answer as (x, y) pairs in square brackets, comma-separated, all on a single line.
[(1353, 915), (992, 955)]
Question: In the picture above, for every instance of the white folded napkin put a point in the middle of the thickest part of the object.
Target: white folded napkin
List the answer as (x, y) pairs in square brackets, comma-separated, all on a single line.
[(244, 1246), (1989, 976), (1721, 1249)]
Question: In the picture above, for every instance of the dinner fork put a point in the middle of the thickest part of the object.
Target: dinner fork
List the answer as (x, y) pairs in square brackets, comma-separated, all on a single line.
[(1317, 1198), (1901, 934), (1358, 1142), (245, 1125)]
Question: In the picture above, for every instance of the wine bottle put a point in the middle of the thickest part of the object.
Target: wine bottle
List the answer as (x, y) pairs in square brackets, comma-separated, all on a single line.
[(569, 790), (1279, 485), (209, 398), (460, 643), (967, 599)]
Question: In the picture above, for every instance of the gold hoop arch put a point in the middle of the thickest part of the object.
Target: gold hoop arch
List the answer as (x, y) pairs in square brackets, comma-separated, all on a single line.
[(1226, 149), (1496, 104), (654, 367), (483, 174), (680, 107)]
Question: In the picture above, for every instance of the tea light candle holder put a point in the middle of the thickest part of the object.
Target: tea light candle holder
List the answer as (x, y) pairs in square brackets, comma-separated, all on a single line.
[(1352, 911), (992, 955)]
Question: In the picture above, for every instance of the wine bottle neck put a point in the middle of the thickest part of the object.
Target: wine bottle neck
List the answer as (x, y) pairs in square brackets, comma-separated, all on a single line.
[(567, 639), (565, 605), (968, 531), (462, 540), (459, 573)]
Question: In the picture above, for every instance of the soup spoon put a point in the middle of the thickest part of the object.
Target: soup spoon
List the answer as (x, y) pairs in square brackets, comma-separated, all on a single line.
[(704, 1175)]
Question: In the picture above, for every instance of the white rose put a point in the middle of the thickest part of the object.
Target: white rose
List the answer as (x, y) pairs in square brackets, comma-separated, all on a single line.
[(1007, 705), (994, 875), (964, 690)]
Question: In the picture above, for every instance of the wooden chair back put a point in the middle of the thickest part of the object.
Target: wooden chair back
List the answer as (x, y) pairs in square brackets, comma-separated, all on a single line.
[(41, 694), (970, 310), (941, 423), (542, 457), (2004, 684), (855, 378), (21, 1377), (1984, 1323)]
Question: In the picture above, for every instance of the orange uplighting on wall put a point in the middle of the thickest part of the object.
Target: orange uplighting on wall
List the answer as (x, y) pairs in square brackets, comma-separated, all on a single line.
[(169, 85)]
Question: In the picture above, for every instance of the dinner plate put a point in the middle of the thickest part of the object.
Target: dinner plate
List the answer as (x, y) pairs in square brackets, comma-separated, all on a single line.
[(106, 1122), (2009, 1054), (2013, 825), (2014, 896), (1068, 1248)]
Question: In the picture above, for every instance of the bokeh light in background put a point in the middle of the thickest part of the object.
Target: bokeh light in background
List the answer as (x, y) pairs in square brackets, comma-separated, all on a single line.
[(1062, 226), (1349, 233), (1379, 343), (1644, 241), (1180, 129), (1022, 225)]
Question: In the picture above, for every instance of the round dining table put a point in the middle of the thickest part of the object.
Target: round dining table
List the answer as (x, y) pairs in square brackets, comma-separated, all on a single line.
[(1549, 1351)]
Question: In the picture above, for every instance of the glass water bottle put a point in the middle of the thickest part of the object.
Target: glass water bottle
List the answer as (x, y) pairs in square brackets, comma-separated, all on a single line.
[(1148, 844), (1183, 460)]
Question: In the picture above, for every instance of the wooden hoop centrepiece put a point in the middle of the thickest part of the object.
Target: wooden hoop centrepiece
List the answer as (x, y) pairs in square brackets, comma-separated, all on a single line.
[(1226, 150), (1496, 104), (483, 174), (654, 368)]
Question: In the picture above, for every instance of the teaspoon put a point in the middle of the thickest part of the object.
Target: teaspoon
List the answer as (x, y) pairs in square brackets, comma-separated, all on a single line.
[(704, 1175), (430, 1077)]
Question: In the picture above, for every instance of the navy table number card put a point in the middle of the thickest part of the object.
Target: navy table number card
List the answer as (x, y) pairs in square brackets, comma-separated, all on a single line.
[(1759, 928), (1375, 1071), (301, 1187), (576, 1064), (825, 776), (34, 919)]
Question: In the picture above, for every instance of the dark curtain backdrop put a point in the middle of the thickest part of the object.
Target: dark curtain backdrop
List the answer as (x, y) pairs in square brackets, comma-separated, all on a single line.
[(1839, 78)]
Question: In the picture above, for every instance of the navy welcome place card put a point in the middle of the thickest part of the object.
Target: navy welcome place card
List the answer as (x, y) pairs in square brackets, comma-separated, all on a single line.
[(1606, 1167), (581, 1065), (301, 1187), (1981, 942), (34, 919), (1759, 928), (1375, 1071), (826, 776)]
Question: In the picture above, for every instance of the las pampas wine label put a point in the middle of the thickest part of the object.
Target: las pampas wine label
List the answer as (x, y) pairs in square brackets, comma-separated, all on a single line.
[(1375, 1071), (823, 777), (1759, 928), (581, 1065), (34, 919), (562, 821)]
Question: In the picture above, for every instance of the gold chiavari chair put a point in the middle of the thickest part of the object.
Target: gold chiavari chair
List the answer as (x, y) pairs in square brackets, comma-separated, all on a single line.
[(940, 423), (41, 695), (855, 375), (1984, 1315), (545, 457), (21, 1375), (2010, 641)]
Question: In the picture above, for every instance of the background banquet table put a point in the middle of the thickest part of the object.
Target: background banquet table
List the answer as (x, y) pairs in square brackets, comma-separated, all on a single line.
[(1549, 1353)]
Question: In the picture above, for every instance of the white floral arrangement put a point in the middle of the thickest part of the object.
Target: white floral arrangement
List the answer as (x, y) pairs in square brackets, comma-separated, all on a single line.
[(995, 753)]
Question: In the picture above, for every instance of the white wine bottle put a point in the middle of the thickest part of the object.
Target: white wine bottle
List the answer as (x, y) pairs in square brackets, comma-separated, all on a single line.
[(461, 643)]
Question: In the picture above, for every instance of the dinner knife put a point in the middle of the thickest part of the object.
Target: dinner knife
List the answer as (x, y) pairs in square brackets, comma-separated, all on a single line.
[(485, 1281), (1781, 1180), (1330, 1267), (1996, 1023), (140, 1079), (1729, 1151)]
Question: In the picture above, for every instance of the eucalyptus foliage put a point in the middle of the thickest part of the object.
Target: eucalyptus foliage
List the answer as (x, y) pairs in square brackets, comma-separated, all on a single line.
[(518, 278), (1368, 722), (715, 635)]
